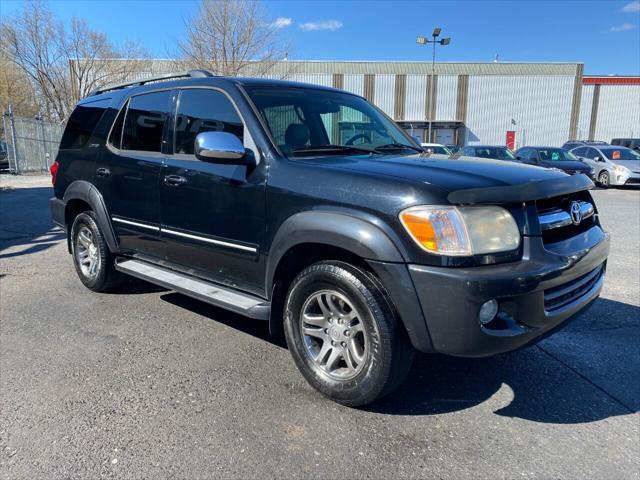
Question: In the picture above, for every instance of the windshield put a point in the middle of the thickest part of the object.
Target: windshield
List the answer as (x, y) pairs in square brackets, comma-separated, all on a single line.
[(499, 153), (621, 153), (307, 122), (555, 155)]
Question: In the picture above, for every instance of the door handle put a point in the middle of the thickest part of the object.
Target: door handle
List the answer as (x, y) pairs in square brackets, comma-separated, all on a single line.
[(174, 180), (103, 172)]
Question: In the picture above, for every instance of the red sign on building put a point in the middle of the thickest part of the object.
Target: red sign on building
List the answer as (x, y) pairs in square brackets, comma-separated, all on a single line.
[(511, 139)]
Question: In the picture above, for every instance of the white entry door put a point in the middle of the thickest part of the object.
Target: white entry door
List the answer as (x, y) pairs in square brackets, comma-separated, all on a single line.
[(444, 136)]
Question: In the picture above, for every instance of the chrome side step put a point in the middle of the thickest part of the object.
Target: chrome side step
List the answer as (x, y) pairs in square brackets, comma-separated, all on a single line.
[(242, 303)]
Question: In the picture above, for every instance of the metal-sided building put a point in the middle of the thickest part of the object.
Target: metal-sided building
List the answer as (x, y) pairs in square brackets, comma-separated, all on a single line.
[(542, 103)]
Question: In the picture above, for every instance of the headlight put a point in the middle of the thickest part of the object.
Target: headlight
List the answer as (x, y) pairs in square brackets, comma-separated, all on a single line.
[(620, 169), (459, 231)]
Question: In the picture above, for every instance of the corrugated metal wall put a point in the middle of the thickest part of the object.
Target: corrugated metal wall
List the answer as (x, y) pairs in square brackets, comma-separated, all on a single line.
[(354, 84), (446, 97), (537, 95), (416, 96), (618, 112), (541, 107), (324, 79), (384, 93), (586, 101)]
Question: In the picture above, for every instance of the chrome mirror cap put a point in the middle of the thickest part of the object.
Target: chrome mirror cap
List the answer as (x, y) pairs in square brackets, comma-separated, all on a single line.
[(222, 146)]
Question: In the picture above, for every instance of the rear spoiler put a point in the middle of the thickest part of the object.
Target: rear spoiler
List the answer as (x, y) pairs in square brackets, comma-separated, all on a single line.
[(522, 193)]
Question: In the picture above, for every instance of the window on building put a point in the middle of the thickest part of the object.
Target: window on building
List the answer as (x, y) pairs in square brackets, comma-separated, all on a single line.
[(202, 110)]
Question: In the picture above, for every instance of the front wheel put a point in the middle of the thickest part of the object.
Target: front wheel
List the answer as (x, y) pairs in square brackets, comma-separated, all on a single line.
[(343, 334), (603, 179)]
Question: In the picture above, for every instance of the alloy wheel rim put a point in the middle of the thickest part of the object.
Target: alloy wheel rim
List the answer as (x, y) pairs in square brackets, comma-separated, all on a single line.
[(604, 178), (334, 335), (87, 253)]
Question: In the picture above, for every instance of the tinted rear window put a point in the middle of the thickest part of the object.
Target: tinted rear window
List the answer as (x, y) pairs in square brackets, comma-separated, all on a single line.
[(82, 123), (145, 120)]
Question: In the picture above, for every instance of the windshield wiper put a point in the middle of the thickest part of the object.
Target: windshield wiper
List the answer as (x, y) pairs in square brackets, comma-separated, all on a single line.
[(397, 146), (329, 147)]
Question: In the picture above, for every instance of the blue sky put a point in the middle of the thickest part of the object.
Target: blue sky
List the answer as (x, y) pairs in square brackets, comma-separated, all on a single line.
[(605, 35)]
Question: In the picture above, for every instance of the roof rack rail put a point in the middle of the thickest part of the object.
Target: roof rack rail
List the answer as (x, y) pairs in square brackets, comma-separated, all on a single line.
[(166, 76)]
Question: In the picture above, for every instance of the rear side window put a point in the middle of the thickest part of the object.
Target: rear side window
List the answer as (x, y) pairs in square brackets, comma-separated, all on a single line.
[(201, 110), (82, 123), (145, 120), (116, 132), (580, 152)]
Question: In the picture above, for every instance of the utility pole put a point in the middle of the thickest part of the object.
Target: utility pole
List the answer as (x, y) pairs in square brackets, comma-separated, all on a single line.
[(426, 41)]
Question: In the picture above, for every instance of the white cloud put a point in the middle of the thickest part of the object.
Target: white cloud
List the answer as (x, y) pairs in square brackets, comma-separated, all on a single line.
[(282, 22), (321, 25), (632, 7), (623, 28)]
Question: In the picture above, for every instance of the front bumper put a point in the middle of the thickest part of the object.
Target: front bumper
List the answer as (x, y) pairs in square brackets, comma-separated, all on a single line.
[(634, 179), (534, 295), (620, 178)]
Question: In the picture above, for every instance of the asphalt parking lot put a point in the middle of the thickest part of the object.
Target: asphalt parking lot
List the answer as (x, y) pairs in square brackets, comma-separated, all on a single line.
[(151, 384)]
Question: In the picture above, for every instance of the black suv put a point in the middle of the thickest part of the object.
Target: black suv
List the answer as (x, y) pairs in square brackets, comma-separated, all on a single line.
[(308, 208)]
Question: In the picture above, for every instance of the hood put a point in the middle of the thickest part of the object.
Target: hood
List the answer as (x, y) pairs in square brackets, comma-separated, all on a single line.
[(633, 165), (441, 171), (566, 165)]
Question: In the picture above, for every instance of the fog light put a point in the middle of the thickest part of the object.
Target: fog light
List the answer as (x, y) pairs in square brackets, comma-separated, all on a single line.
[(488, 312)]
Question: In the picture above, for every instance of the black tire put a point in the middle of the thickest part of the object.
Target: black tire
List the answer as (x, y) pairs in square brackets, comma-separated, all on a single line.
[(389, 353), (106, 277), (604, 180)]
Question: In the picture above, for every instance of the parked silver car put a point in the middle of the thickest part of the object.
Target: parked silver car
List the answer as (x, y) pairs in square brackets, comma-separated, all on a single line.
[(613, 165)]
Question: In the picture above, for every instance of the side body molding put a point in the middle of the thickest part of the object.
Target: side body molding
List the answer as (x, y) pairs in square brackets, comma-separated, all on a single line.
[(336, 229), (85, 191)]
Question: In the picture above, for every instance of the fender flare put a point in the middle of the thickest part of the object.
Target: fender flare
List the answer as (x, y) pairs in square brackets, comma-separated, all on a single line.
[(344, 230), (87, 192), (377, 245)]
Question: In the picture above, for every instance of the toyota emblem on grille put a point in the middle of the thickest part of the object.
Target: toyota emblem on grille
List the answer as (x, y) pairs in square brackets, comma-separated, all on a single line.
[(576, 213)]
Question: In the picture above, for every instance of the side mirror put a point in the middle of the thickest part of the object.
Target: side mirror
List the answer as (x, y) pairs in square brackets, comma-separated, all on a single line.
[(222, 147), (518, 157), (598, 159)]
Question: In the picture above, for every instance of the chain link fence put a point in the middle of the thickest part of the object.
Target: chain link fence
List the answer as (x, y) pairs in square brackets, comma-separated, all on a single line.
[(32, 143)]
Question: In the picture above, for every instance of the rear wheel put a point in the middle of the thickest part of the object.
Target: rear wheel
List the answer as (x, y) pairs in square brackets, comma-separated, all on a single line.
[(603, 179), (343, 334), (91, 256)]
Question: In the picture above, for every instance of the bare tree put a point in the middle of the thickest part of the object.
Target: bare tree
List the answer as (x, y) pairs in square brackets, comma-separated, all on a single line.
[(15, 89), (231, 37), (63, 64)]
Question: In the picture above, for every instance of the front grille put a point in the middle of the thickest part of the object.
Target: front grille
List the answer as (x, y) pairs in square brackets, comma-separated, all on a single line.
[(555, 219), (562, 295)]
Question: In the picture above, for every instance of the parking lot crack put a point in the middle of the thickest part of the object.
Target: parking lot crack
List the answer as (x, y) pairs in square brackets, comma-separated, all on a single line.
[(587, 379)]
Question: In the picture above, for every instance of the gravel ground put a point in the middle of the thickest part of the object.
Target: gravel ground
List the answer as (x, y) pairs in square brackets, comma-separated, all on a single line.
[(151, 384)]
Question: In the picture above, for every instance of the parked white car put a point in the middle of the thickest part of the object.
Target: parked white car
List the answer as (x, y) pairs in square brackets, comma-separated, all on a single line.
[(436, 148), (613, 165)]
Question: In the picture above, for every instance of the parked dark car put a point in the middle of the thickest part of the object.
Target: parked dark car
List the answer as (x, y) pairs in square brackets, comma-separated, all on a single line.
[(571, 144), (632, 143), (4, 156), (255, 196), (554, 157), (496, 152)]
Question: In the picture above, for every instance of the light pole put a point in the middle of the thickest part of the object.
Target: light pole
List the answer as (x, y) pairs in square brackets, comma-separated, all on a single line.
[(425, 41)]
